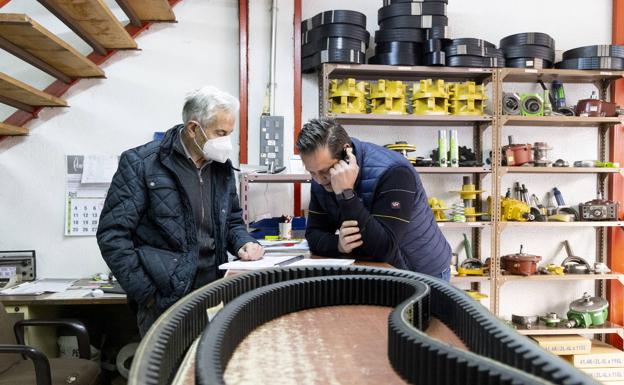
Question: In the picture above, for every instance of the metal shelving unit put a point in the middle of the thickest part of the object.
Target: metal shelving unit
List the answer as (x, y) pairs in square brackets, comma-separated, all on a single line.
[(607, 328), (569, 277)]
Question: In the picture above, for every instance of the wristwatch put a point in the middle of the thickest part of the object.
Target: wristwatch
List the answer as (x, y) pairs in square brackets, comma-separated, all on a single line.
[(345, 195)]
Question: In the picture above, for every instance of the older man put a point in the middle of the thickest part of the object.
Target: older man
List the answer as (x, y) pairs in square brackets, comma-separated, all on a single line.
[(172, 210)]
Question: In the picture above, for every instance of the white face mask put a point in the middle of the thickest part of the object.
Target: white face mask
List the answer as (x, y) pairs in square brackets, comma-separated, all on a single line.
[(217, 149)]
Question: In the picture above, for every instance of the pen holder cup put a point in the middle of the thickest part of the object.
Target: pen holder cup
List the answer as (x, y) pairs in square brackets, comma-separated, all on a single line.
[(285, 230)]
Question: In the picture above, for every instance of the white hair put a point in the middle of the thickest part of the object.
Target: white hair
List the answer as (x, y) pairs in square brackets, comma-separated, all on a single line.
[(203, 104)]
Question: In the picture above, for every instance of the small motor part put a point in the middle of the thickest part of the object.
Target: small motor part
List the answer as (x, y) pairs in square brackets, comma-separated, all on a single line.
[(574, 264), (531, 104), (601, 268), (558, 92), (471, 267), (594, 107), (438, 207), (561, 163), (511, 103), (558, 197), (516, 154), (540, 154), (587, 311), (453, 148), (442, 149), (551, 319), (599, 210), (524, 321), (585, 163), (553, 269), (567, 111), (404, 149), (515, 210), (520, 263)]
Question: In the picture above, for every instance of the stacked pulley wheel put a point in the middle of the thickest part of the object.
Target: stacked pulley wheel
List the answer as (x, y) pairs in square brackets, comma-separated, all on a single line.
[(594, 57), (470, 52), (405, 27), (528, 50), (337, 36)]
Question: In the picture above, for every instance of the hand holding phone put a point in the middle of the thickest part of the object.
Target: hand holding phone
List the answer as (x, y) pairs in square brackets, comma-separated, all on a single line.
[(344, 173)]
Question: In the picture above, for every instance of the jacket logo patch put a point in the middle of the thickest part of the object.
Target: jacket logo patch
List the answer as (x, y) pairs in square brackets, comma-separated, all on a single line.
[(395, 205)]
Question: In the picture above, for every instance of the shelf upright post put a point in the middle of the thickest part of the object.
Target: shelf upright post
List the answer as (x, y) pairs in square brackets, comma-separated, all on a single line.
[(497, 77)]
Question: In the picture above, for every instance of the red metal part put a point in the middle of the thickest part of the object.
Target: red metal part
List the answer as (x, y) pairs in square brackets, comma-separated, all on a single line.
[(58, 88), (243, 86), (615, 244), (297, 93)]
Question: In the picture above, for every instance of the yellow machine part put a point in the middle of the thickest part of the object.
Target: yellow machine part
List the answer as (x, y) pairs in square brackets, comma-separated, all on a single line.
[(475, 294), (513, 210), (347, 96), (388, 97), (438, 207), (465, 272), (555, 269), (469, 191), (430, 97), (467, 98)]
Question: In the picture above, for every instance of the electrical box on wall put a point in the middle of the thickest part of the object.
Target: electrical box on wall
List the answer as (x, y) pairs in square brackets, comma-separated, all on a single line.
[(272, 141)]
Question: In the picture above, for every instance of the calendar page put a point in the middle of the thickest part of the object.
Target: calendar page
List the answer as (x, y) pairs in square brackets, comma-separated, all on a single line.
[(85, 199)]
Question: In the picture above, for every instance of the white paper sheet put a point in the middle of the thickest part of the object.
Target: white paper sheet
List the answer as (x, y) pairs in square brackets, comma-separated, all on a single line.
[(265, 263), (40, 286), (323, 262), (99, 168)]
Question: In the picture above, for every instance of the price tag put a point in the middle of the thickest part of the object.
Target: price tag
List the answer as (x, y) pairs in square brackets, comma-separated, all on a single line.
[(404, 68), (530, 71), (606, 73)]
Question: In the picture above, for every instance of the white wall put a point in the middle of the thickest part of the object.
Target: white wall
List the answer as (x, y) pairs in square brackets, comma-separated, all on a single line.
[(143, 92)]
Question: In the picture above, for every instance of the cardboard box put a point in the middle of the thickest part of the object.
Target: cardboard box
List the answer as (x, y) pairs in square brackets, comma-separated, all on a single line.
[(602, 355), (606, 374), (563, 345)]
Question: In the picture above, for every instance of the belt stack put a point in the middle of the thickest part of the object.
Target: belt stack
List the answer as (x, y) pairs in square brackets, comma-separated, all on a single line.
[(594, 57), (404, 28), (337, 36), (470, 52), (529, 50)]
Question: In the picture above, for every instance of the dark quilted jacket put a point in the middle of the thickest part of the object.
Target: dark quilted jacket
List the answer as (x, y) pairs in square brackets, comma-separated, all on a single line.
[(147, 233)]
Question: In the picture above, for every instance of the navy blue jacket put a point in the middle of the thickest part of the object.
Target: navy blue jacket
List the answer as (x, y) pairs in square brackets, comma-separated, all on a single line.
[(392, 211), (147, 233)]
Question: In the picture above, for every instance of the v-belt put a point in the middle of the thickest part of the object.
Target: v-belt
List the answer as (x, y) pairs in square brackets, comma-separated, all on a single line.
[(432, 45), (308, 64), (528, 62), (592, 63), (411, 9), (397, 58), (529, 50), (435, 58), (474, 61), (533, 38), (438, 32), (595, 51), (465, 49), (472, 41), (332, 17), (413, 22), (501, 356), (413, 35), (398, 46), (332, 43), (335, 30), (388, 2)]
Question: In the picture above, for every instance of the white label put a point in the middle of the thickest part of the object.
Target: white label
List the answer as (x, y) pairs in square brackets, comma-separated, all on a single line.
[(271, 155), (476, 69), (404, 68), (606, 73), (530, 71), (343, 66), (593, 108), (416, 9), (270, 142)]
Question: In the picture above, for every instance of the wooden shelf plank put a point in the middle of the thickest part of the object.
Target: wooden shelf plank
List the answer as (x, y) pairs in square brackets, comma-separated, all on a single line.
[(563, 224), (93, 21), (462, 225), (26, 34), (607, 328), (276, 178), (567, 277), (559, 121), (561, 170), (453, 170), (152, 10), (410, 119), (377, 71), (469, 279), (10, 130), (521, 75), (23, 93)]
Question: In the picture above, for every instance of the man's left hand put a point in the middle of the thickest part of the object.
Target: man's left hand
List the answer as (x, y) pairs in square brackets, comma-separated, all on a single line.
[(343, 174), (250, 251)]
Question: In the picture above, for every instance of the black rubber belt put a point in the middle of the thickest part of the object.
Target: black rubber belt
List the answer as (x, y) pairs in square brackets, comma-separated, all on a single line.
[(411, 9), (435, 58), (332, 17), (162, 349), (414, 22), (595, 51), (513, 52), (528, 62), (592, 63), (474, 61), (414, 35), (388, 2), (396, 58), (534, 38), (398, 46), (335, 30), (349, 56), (472, 41), (466, 49), (435, 45), (438, 32), (332, 43)]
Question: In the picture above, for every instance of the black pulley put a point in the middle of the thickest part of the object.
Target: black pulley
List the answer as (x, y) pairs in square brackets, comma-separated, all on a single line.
[(411, 9), (336, 30), (388, 2), (528, 62), (310, 63), (530, 50), (466, 49), (396, 58), (398, 46), (413, 35), (472, 41), (533, 38), (332, 43), (433, 45), (474, 61), (413, 22), (435, 58), (603, 50), (332, 17), (438, 32), (592, 63)]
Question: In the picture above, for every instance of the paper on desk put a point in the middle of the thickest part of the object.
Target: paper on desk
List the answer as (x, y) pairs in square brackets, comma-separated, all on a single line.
[(70, 294), (40, 286), (286, 246), (265, 263), (323, 262), (99, 168)]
